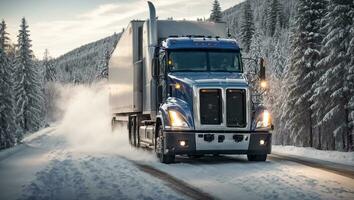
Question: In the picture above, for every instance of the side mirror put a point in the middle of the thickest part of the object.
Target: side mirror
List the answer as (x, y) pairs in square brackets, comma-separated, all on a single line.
[(262, 69), (155, 67)]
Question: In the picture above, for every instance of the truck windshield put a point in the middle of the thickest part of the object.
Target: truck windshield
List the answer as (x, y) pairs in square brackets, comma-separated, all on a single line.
[(204, 60)]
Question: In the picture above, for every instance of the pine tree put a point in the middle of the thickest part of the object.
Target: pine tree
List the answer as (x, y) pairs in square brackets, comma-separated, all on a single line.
[(264, 18), (3, 36), (7, 115), (49, 70), (104, 71), (306, 48), (247, 26), (216, 15), (350, 81), (29, 98), (274, 16), (332, 93)]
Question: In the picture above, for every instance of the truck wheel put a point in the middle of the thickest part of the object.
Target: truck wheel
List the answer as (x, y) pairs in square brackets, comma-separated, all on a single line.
[(260, 157), (132, 131), (113, 124), (137, 134), (160, 148)]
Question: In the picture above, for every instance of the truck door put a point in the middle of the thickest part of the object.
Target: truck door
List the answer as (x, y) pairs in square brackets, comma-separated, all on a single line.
[(161, 85)]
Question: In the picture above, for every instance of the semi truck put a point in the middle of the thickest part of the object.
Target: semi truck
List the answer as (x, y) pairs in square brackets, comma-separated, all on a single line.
[(181, 88)]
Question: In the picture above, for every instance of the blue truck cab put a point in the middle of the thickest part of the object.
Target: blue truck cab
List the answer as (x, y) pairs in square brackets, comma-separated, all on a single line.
[(205, 101)]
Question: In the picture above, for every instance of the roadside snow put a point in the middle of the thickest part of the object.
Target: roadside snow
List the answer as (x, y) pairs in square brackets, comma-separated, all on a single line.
[(27, 138), (32, 136), (332, 156)]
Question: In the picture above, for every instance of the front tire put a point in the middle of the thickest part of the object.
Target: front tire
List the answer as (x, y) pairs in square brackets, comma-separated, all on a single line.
[(257, 158), (160, 148)]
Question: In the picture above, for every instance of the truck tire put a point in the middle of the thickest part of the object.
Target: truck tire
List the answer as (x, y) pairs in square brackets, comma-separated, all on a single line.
[(260, 157), (137, 134), (131, 131), (160, 148)]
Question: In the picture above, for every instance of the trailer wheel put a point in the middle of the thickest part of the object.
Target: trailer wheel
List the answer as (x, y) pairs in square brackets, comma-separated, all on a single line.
[(137, 134), (160, 148), (260, 157), (113, 124), (131, 129)]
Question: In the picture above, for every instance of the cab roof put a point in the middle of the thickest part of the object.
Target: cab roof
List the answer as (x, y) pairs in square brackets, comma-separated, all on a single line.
[(200, 43)]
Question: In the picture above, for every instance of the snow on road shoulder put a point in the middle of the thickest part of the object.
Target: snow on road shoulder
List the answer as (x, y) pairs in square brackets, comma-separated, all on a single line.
[(33, 136), (27, 139), (332, 156)]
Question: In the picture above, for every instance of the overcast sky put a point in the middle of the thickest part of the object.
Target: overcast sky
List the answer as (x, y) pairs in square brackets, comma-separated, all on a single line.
[(62, 25)]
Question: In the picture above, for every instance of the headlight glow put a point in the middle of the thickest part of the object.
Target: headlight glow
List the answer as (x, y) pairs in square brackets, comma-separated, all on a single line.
[(264, 121), (177, 119), (266, 118), (264, 84)]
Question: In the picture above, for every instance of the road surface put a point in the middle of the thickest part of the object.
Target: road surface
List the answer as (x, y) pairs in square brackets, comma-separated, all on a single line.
[(51, 166)]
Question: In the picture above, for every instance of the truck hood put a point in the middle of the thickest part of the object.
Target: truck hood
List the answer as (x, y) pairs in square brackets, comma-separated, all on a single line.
[(221, 79)]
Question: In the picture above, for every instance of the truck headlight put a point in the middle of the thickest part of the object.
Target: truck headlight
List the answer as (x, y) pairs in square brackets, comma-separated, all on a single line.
[(264, 121), (177, 119)]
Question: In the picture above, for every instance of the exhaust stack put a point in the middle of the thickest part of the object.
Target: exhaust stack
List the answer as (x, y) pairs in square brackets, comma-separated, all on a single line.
[(152, 25)]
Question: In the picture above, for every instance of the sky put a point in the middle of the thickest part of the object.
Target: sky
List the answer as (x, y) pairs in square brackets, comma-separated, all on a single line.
[(63, 25)]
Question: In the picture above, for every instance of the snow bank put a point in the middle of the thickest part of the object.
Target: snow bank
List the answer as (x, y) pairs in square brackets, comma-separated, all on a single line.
[(332, 156), (33, 136), (85, 124)]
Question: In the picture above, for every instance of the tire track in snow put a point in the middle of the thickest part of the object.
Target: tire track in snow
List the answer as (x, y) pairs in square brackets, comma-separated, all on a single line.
[(340, 169), (174, 183)]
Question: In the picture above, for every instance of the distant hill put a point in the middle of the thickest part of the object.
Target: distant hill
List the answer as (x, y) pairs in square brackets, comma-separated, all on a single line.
[(86, 63)]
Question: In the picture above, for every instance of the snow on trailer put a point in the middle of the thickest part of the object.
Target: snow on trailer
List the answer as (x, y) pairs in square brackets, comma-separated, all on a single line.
[(180, 85)]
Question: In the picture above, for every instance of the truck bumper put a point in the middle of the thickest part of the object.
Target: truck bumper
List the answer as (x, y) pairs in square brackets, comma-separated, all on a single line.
[(217, 142)]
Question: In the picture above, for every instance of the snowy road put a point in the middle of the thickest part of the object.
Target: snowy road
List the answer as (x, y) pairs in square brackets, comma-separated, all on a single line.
[(47, 167), (79, 158)]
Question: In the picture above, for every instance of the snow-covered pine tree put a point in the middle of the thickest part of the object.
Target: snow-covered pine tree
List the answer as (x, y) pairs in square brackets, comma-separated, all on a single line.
[(350, 81), (4, 39), (264, 19), (28, 92), (274, 16), (333, 84), (7, 114), (104, 70), (7, 103), (247, 26), (216, 15), (306, 48), (49, 70)]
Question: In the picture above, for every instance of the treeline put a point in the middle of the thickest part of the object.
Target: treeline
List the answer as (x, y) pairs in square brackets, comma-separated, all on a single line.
[(308, 46), (87, 63), (21, 87), (28, 86)]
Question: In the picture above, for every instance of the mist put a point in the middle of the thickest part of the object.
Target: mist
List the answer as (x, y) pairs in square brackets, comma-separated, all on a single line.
[(85, 123)]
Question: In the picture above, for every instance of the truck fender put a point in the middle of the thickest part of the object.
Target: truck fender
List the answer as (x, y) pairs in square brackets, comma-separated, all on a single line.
[(179, 105)]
